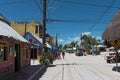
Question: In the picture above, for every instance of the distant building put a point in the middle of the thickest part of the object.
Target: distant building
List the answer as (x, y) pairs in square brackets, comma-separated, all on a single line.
[(32, 27), (23, 27), (51, 40)]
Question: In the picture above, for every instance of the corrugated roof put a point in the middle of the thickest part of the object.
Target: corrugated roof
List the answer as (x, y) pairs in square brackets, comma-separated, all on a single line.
[(6, 30)]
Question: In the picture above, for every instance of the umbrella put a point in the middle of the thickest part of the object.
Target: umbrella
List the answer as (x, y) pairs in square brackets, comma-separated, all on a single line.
[(112, 31)]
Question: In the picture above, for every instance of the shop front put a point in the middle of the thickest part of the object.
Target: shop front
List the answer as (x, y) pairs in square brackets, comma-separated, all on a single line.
[(14, 50), (35, 45)]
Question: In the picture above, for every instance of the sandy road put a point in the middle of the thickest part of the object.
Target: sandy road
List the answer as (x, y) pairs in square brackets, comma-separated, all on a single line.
[(81, 68)]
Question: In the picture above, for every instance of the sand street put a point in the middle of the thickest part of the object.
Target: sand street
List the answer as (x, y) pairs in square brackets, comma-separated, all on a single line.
[(81, 68)]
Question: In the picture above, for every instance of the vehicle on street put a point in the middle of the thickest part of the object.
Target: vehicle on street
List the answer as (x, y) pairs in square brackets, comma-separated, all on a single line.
[(79, 52), (112, 58), (70, 50)]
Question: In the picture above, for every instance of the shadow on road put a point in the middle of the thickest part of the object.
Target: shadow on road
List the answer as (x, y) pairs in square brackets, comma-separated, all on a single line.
[(52, 66), (68, 64), (25, 73), (116, 68)]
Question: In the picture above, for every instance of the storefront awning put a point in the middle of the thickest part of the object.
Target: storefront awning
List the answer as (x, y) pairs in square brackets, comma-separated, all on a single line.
[(34, 40), (54, 48)]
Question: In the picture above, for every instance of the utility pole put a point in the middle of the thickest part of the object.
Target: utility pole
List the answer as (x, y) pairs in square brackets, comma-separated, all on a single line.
[(25, 27), (44, 22), (56, 40)]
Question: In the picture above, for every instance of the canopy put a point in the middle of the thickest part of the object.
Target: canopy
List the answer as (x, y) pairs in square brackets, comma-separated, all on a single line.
[(34, 40), (54, 48), (48, 45)]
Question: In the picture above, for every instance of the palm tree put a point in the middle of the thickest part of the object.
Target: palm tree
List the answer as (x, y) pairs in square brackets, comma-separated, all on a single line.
[(73, 44), (88, 41)]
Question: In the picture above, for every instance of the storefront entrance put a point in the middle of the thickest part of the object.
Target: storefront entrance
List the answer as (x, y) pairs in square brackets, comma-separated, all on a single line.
[(17, 57), (34, 53)]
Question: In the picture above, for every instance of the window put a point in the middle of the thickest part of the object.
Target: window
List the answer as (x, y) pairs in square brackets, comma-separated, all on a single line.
[(3, 53), (38, 29)]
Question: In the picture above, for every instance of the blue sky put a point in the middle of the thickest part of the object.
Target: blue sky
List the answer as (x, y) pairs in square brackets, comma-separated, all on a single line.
[(82, 16)]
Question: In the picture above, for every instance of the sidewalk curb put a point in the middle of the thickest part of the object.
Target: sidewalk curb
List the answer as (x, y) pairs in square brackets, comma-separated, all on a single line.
[(40, 69)]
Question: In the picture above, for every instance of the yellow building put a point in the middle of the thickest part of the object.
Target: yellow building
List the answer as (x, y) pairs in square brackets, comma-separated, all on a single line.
[(23, 27), (51, 40), (32, 27)]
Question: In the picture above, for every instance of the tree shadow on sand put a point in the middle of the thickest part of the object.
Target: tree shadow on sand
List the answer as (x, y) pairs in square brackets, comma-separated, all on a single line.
[(116, 68)]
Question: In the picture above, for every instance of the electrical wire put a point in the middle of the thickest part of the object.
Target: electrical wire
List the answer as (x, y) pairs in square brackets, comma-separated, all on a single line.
[(92, 27), (50, 17), (83, 21), (77, 21), (38, 6), (64, 21), (15, 2), (86, 4), (51, 3), (99, 29)]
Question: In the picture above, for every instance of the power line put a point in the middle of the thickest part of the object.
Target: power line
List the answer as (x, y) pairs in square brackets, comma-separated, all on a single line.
[(77, 21), (15, 2), (50, 21), (99, 29), (52, 3), (98, 21), (73, 2), (38, 6), (61, 20)]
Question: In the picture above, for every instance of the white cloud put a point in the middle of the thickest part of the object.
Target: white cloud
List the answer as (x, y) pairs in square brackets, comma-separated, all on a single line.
[(76, 38), (86, 33), (61, 40), (69, 38), (98, 37), (89, 33)]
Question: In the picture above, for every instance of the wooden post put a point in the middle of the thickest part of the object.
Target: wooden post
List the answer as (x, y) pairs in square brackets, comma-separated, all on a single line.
[(116, 59), (44, 20)]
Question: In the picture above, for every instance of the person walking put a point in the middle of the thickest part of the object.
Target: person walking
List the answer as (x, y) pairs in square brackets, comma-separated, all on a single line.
[(63, 54)]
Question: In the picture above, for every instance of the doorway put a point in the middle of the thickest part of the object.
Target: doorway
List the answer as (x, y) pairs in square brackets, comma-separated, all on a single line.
[(34, 53), (17, 58)]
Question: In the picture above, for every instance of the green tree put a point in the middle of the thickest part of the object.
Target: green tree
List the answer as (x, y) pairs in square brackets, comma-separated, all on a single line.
[(73, 44), (88, 41)]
